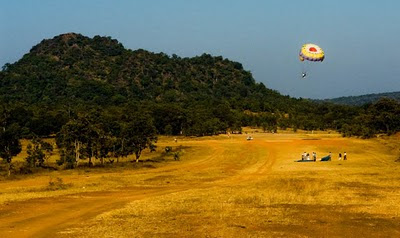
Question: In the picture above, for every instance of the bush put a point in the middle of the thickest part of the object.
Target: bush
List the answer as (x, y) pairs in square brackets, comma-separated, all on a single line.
[(57, 184), (177, 156), (168, 149)]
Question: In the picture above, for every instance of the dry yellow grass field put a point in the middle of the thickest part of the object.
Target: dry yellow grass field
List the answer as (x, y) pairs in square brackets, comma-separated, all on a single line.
[(222, 187)]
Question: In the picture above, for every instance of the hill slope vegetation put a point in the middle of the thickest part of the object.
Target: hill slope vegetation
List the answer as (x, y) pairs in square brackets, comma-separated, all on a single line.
[(73, 76)]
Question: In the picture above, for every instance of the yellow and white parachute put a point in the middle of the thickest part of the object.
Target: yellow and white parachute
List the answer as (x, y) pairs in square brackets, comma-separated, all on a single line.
[(311, 52)]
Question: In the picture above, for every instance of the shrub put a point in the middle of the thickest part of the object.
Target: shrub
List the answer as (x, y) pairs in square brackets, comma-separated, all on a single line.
[(57, 184)]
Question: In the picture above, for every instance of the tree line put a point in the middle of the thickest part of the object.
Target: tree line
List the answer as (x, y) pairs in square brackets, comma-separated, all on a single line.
[(91, 135), (97, 133)]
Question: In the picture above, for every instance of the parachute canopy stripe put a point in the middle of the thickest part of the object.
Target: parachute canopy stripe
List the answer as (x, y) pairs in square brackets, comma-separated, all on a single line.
[(311, 52)]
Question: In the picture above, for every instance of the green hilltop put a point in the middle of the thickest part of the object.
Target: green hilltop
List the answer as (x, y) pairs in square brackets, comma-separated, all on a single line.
[(100, 70)]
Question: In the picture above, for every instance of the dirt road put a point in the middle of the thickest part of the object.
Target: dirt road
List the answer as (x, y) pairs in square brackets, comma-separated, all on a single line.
[(44, 217)]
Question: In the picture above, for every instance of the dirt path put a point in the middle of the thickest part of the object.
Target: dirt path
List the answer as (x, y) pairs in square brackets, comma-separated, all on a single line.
[(45, 217)]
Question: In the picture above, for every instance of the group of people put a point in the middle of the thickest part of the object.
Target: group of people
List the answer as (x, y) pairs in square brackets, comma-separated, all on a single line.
[(306, 156), (340, 155)]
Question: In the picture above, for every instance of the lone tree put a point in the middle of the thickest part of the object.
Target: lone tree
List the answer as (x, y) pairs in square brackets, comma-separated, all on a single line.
[(139, 134), (10, 145)]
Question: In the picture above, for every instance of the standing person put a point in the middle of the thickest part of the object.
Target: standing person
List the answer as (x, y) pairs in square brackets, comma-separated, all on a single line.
[(314, 156), (308, 156), (340, 156), (344, 156)]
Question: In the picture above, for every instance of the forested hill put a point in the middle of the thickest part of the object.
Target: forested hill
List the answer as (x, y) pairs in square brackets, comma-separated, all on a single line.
[(97, 83), (364, 99), (100, 70)]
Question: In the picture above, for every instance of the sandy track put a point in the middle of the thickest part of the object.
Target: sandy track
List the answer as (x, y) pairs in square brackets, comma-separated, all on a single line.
[(46, 216)]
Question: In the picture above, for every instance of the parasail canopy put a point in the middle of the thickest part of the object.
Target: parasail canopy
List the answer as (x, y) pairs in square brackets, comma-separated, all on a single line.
[(311, 52)]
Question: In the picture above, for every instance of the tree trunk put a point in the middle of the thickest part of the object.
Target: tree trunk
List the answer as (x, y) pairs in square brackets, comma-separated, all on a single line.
[(77, 155), (122, 150), (9, 169), (137, 154), (90, 159), (113, 155)]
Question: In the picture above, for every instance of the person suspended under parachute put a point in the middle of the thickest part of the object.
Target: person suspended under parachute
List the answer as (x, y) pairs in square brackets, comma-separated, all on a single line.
[(310, 53)]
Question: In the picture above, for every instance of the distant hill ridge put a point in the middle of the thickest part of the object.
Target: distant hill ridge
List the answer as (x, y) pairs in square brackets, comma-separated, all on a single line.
[(364, 99)]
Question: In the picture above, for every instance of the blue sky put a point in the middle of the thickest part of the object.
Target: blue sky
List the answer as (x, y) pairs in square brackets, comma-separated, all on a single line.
[(361, 39)]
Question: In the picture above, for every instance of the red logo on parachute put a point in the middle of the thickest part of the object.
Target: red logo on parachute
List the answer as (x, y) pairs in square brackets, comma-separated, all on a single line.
[(312, 49)]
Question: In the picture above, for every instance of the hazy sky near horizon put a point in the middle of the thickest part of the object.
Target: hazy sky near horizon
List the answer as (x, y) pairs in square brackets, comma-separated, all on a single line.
[(361, 38)]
